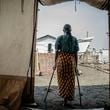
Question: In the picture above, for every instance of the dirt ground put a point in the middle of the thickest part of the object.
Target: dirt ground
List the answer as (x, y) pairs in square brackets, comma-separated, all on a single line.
[(94, 89)]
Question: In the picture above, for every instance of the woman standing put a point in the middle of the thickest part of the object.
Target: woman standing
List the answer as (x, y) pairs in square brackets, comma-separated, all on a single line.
[(66, 47)]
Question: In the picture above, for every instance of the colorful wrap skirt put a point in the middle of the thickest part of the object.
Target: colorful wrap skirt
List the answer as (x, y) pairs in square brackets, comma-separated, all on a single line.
[(66, 75)]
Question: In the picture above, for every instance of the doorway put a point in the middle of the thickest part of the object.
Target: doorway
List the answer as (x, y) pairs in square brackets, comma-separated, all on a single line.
[(94, 74)]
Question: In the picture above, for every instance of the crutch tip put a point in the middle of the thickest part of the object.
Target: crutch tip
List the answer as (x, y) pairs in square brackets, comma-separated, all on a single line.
[(81, 94)]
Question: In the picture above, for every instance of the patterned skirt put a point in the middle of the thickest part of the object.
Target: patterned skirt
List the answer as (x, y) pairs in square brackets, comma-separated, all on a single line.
[(66, 75)]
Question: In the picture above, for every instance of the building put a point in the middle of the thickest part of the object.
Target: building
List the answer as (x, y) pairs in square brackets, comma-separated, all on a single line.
[(46, 44)]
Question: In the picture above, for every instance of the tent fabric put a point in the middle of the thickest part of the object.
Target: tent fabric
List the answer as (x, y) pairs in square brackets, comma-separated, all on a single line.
[(11, 89), (16, 39), (3, 108), (52, 2), (101, 4), (16, 35)]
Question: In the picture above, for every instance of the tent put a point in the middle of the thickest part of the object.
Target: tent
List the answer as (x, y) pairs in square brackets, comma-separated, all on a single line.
[(18, 21), (17, 43)]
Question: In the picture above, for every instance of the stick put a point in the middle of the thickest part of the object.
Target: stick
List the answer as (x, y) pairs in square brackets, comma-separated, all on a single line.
[(79, 87), (49, 86)]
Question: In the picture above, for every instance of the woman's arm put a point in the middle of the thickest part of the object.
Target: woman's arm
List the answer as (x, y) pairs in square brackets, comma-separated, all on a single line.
[(56, 55)]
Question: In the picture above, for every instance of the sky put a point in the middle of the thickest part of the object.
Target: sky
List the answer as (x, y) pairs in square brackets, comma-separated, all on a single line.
[(51, 20)]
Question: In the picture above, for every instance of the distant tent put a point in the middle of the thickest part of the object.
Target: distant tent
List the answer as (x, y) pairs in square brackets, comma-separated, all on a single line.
[(84, 44), (101, 4)]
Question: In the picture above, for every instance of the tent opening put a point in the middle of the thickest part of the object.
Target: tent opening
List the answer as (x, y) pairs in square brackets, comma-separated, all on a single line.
[(93, 57)]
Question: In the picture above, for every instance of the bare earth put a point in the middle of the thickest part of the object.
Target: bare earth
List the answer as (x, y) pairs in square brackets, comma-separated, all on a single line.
[(94, 89)]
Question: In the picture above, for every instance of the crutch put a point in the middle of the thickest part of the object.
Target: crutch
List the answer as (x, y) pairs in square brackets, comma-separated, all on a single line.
[(79, 88), (45, 98)]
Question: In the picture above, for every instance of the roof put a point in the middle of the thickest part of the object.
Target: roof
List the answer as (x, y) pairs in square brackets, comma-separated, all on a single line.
[(45, 37)]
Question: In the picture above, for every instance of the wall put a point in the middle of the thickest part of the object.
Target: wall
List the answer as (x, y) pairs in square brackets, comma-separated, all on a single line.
[(46, 61)]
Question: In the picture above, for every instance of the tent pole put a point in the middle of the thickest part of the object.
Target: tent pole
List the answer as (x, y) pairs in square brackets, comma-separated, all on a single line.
[(29, 97), (34, 48)]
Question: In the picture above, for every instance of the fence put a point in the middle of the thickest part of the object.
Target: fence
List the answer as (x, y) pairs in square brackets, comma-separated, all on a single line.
[(44, 62)]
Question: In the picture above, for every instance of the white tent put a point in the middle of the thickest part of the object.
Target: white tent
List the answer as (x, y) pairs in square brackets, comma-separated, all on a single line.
[(84, 44)]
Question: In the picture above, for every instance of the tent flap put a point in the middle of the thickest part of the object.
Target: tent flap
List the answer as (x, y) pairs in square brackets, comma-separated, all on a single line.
[(11, 89)]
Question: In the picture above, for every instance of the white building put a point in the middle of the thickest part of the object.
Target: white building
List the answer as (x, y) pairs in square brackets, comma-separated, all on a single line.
[(46, 44)]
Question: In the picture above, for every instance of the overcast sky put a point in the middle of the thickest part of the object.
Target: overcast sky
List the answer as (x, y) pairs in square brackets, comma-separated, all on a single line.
[(51, 20)]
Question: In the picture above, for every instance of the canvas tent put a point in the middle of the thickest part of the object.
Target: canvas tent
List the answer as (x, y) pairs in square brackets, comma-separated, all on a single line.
[(17, 34), (17, 44)]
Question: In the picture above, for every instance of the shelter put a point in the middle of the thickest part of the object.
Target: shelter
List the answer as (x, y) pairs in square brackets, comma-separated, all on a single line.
[(17, 45), (84, 44)]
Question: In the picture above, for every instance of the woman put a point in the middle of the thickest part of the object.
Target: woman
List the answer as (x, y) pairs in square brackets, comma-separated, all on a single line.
[(66, 47)]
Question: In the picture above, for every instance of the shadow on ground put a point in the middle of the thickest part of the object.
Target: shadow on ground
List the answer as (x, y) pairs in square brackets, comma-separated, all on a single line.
[(94, 96)]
